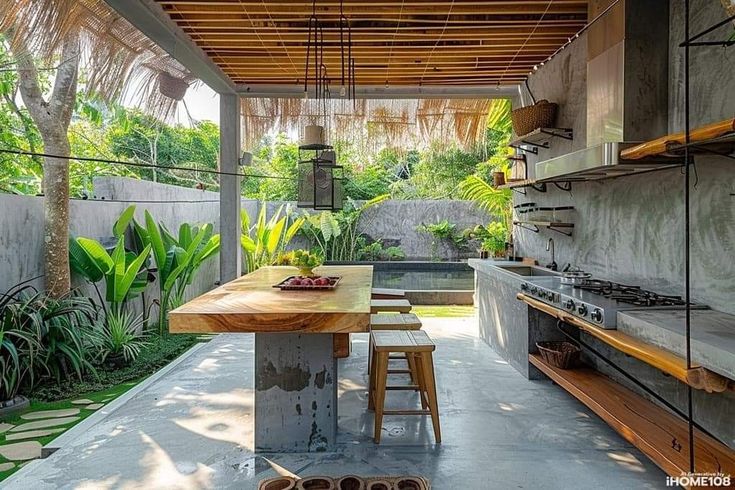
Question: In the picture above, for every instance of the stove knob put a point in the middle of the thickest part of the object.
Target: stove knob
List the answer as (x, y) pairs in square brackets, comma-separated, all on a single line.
[(582, 310), (534, 290), (570, 305), (524, 287), (597, 315)]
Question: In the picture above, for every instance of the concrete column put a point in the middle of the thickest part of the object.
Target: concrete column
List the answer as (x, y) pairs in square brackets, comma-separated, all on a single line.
[(295, 393), (229, 194)]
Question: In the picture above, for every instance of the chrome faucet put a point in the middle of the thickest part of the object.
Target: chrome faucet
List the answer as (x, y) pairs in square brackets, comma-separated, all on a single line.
[(550, 246)]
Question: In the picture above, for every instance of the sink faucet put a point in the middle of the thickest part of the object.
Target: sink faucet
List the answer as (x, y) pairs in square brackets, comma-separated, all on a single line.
[(550, 246)]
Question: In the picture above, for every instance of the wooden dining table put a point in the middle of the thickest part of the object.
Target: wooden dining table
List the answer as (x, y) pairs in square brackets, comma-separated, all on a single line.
[(296, 375)]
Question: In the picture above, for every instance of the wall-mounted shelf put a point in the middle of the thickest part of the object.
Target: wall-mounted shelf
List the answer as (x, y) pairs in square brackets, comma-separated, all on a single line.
[(535, 226), (540, 138), (520, 185), (717, 138), (658, 433)]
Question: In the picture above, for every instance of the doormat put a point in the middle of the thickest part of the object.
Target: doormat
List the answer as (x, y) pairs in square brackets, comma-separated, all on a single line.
[(347, 482)]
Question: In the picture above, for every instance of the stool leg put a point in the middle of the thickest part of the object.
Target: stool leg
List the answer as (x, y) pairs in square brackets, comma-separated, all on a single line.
[(411, 360), (370, 351), (371, 380), (427, 364), (381, 375), (421, 381)]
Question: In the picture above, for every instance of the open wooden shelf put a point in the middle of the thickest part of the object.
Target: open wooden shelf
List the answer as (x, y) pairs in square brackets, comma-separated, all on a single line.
[(658, 433), (717, 138), (695, 376), (535, 226), (541, 137)]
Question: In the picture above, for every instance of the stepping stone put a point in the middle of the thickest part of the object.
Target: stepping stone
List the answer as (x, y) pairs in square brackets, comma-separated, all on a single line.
[(106, 400), (21, 451), (32, 434), (50, 414), (42, 424), (5, 427), (6, 466), (94, 406), (82, 401)]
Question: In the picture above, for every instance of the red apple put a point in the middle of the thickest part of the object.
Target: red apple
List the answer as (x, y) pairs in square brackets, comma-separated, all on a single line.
[(295, 282), (307, 282)]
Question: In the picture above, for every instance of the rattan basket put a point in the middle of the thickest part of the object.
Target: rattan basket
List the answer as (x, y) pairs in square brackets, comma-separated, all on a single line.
[(171, 86), (540, 115), (563, 355)]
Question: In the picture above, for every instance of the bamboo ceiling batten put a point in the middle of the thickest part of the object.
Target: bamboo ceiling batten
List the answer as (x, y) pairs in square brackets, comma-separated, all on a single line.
[(394, 43)]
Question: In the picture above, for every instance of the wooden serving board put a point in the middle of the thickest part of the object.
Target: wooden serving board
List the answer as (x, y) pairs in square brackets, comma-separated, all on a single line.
[(251, 304)]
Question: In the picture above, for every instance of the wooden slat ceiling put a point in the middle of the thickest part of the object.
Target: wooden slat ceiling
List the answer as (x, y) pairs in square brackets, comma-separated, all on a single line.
[(460, 42)]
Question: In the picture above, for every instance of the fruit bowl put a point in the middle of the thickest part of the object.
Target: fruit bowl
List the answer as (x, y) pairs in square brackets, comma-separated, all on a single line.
[(308, 283)]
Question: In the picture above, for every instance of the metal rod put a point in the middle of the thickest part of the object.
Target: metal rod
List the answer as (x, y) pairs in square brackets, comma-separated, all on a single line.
[(687, 244), (689, 40)]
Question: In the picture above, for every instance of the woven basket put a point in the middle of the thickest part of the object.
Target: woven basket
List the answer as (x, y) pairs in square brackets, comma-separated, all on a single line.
[(540, 115), (563, 355), (171, 86)]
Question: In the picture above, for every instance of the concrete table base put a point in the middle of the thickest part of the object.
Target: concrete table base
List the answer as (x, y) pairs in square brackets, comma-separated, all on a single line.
[(295, 393)]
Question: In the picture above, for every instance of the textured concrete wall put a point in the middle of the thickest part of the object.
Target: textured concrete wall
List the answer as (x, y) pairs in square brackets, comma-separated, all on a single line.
[(631, 229), (395, 223)]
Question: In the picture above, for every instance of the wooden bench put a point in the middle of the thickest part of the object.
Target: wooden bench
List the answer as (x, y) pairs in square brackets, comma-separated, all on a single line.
[(417, 345), (390, 306), (383, 293)]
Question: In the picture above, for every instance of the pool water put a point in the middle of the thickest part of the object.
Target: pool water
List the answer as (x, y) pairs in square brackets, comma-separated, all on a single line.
[(459, 279)]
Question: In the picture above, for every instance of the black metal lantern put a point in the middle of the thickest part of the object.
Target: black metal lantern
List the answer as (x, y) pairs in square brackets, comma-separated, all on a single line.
[(321, 183)]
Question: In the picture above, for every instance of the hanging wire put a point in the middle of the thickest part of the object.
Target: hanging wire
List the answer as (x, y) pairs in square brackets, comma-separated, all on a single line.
[(142, 165), (533, 31), (438, 40)]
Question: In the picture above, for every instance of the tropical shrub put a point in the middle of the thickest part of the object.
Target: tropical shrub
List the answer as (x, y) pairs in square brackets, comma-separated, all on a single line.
[(492, 237), (375, 252), (120, 341), (41, 336), (444, 232), (497, 202), (177, 259), (264, 241), (335, 235)]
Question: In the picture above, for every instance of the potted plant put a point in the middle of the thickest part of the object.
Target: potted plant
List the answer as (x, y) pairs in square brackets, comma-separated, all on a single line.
[(492, 239)]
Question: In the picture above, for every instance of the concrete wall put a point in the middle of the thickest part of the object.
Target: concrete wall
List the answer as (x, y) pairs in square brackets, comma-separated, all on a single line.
[(631, 229)]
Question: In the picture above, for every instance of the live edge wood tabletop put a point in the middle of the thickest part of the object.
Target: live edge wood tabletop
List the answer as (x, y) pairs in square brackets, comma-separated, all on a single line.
[(251, 304)]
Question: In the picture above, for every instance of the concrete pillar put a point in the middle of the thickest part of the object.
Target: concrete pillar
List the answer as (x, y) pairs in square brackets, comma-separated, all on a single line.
[(229, 194), (295, 393)]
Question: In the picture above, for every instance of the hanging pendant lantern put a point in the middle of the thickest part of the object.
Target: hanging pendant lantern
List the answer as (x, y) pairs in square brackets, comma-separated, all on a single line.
[(321, 184)]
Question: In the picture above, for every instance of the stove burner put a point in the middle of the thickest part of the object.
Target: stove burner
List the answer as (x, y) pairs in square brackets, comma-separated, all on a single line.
[(633, 295)]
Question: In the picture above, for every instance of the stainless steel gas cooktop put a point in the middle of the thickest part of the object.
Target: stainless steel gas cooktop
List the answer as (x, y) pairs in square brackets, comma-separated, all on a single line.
[(598, 301)]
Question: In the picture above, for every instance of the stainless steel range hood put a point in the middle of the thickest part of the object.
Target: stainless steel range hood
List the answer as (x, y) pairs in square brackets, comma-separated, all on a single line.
[(596, 162), (627, 91)]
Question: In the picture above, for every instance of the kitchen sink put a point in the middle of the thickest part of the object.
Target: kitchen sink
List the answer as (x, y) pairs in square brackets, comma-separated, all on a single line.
[(529, 270)]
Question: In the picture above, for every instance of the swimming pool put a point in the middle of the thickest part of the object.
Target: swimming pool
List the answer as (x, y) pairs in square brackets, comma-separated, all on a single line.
[(426, 283)]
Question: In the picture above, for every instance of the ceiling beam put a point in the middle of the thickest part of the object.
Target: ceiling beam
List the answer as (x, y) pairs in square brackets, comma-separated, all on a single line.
[(148, 17), (393, 92)]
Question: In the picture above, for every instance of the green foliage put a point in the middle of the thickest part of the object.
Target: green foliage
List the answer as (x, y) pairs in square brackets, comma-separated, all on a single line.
[(120, 338), (444, 232), (492, 238), (264, 241), (177, 258), (497, 202), (335, 235), (375, 252), (43, 337)]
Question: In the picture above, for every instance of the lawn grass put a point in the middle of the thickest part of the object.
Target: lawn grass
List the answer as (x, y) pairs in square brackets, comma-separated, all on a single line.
[(108, 384), (451, 311)]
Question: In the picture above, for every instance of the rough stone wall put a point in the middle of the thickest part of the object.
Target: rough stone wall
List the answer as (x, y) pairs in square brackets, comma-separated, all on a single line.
[(631, 229)]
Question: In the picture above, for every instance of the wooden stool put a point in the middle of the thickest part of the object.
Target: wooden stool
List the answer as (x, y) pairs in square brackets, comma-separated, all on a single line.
[(415, 344), (390, 306), (383, 293), (398, 321)]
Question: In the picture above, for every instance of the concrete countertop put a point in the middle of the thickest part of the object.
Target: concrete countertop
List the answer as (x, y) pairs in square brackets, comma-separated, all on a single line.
[(713, 335), (491, 266)]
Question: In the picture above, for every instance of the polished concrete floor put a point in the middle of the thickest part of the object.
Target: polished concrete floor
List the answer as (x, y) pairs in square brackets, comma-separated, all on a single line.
[(193, 429)]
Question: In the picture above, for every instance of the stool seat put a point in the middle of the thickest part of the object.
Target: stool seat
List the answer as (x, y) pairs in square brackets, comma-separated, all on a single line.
[(402, 341), (397, 321), (390, 306), (384, 293)]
